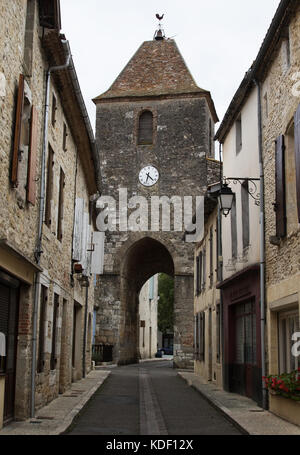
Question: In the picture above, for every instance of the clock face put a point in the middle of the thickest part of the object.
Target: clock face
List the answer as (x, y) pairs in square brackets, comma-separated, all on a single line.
[(149, 176)]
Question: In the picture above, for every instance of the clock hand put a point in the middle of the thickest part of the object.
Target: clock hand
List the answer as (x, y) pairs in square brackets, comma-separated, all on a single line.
[(149, 177)]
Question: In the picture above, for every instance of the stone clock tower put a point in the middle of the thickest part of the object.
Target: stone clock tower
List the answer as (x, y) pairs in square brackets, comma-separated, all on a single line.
[(154, 131)]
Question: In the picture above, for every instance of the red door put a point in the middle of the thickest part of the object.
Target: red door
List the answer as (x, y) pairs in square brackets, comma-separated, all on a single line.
[(245, 349)]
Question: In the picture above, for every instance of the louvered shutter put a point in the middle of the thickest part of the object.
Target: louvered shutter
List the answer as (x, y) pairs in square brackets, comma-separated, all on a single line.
[(297, 157), (17, 135), (280, 206), (98, 253), (146, 128), (31, 181), (78, 226)]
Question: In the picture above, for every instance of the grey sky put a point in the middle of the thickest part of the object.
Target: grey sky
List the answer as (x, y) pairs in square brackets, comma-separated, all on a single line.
[(218, 39)]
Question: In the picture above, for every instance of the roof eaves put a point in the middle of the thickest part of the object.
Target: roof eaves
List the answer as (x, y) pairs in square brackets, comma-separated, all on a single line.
[(255, 72)]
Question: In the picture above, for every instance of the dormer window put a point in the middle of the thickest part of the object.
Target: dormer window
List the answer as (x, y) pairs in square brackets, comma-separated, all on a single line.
[(145, 132)]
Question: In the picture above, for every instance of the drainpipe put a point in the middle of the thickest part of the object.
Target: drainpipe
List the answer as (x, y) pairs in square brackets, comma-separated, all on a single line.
[(220, 255), (262, 246), (38, 251)]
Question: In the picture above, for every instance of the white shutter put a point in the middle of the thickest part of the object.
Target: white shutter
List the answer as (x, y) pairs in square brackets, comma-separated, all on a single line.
[(78, 225), (98, 253), (85, 232)]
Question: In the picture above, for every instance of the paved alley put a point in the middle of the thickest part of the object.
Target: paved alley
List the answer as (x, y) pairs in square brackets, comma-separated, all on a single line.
[(149, 399)]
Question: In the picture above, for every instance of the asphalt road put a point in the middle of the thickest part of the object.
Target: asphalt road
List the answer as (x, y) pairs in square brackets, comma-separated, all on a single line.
[(149, 399)]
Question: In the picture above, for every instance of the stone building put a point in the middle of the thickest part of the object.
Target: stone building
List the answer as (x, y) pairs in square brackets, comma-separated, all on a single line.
[(280, 97), (260, 134), (47, 179), (148, 300), (207, 303), (154, 120)]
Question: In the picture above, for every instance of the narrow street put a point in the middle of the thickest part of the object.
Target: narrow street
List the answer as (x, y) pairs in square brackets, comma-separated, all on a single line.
[(149, 399)]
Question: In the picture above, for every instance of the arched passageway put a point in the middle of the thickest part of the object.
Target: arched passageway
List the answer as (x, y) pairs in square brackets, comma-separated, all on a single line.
[(117, 295), (143, 259)]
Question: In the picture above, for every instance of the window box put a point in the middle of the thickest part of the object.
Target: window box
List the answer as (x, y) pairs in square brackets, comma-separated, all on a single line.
[(285, 408)]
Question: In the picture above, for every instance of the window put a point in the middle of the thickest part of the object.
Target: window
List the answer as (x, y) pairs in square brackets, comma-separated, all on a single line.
[(23, 167), (53, 359), (204, 271), (201, 322), (65, 136), (245, 214), (233, 230), (288, 325), (54, 109), (42, 323), (61, 205), (238, 128), (49, 189), (145, 131), (218, 332), (29, 35)]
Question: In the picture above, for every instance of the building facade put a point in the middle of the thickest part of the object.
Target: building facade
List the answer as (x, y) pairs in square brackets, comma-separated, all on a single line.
[(153, 118), (47, 180), (148, 300), (207, 304), (281, 148)]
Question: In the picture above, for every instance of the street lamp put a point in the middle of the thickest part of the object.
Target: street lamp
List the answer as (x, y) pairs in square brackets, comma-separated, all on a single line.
[(225, 198)]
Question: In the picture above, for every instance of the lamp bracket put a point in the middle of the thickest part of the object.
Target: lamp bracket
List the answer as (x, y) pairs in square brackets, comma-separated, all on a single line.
[(252, 186)]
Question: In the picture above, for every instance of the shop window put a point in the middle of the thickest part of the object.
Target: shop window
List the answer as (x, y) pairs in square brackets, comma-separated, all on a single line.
[(288, 326)]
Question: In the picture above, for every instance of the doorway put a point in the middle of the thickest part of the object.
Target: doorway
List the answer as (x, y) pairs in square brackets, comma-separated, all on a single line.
[(9, 316)]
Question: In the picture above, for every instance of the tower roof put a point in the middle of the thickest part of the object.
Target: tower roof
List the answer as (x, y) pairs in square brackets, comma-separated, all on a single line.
[(156, 69)]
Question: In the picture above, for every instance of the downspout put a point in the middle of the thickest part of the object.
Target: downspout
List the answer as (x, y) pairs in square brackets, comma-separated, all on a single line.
[(262, 248), (38, 251), (220, 255)]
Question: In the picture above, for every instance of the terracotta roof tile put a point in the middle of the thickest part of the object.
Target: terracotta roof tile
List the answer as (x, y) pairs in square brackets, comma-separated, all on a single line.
[(157, 68)]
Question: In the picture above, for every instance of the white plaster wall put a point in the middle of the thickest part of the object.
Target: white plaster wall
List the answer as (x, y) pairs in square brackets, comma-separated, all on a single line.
[(148, 313), (245, 164)]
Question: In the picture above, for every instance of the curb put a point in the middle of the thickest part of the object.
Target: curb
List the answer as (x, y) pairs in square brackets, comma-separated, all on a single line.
[(216, 405), (69, 420)]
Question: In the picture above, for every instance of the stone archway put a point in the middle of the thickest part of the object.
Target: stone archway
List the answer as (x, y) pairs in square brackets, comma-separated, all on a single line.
[(143, 259), (118, 298)]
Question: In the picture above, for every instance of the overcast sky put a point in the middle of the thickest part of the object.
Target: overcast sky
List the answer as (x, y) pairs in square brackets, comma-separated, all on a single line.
[(219, 39)]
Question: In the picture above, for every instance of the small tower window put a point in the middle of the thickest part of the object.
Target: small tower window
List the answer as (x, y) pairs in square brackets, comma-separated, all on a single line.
[(145, 133)]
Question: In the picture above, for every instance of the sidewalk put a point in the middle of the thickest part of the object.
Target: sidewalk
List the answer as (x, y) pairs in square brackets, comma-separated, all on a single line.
[(242, 411), (57, 416)]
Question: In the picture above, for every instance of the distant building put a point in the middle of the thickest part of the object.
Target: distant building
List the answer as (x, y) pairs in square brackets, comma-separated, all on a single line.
[(148, 301)]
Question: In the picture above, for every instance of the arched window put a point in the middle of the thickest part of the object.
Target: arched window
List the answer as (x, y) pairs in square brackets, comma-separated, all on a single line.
[(145, 133)]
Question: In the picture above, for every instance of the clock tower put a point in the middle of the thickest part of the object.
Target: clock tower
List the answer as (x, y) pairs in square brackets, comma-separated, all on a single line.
[(154, 131)]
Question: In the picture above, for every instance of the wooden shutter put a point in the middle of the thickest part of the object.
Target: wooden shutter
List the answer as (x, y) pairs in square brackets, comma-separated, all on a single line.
[(78, 227), (31, 180), (297, 157), (18, 125), (280, 206), (145, 128)]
